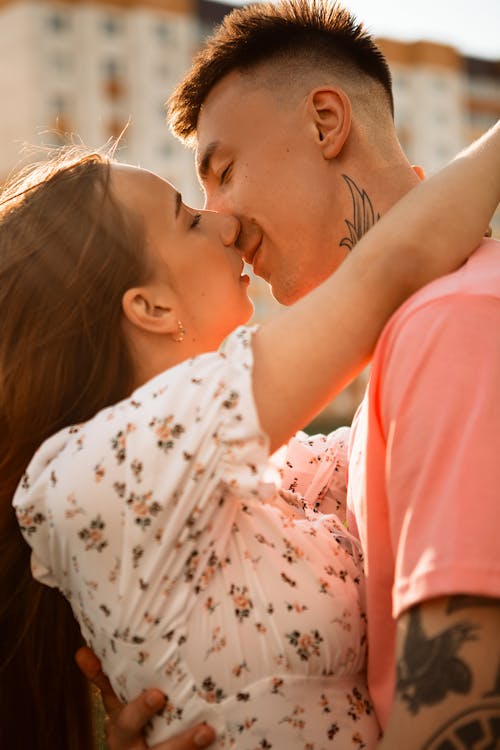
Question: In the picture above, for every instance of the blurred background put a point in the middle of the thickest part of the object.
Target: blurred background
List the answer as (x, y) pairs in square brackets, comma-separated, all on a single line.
[(87, 67)]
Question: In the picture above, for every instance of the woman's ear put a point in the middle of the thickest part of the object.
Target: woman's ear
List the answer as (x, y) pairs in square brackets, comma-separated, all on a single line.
[(148, 309), (331, 112)]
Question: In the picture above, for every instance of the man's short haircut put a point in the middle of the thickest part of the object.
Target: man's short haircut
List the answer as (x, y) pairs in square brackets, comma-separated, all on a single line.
[(314, 31)]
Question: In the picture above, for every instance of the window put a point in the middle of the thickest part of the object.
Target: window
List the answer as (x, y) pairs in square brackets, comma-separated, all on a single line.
[(112, 68), (163, 32), (114, 84), (58, 22), (59, 104), (112, 25)]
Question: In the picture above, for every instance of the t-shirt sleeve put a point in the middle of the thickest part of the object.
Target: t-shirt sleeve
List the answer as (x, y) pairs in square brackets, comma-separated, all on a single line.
[(441, 418)]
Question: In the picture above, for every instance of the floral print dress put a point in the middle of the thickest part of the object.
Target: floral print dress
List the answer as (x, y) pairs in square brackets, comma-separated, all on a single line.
[(188, 570)]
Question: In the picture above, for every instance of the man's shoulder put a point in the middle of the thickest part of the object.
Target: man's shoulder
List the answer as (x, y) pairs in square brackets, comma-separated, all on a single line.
[(478, 277), (465, 303)]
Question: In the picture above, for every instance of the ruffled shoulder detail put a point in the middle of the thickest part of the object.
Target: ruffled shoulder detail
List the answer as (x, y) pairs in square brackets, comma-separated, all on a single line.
[(315, 467)]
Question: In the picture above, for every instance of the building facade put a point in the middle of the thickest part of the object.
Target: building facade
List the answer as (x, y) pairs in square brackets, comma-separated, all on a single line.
[(443, 100), (92, 67)]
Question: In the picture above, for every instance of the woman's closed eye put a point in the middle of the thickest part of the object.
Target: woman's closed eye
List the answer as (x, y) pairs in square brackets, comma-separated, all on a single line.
[(195, 221)]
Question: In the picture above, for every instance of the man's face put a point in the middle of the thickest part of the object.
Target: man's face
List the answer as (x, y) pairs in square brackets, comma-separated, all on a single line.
[(261, 160)]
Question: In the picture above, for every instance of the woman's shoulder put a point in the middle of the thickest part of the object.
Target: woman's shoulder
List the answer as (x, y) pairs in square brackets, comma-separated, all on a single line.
[(176, 388), (190, 409)]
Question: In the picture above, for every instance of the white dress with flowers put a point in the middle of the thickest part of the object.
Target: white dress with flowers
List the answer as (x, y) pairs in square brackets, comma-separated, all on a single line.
[(187, 570)]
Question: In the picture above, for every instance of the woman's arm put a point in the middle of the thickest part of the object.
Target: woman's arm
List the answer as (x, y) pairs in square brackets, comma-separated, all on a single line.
[(305, 356)]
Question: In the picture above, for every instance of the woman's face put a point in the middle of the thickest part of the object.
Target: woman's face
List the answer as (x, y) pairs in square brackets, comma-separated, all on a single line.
[(193, 252)]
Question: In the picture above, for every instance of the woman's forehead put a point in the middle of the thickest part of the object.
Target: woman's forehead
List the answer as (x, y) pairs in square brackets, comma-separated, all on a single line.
[(139, 188)]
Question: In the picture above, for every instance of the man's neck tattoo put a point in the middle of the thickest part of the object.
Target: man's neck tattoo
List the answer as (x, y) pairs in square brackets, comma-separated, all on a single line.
[(364, 216)]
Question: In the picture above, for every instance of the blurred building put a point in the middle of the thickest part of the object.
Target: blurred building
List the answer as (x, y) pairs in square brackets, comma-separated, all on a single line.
[(89, 67), (443, 100)]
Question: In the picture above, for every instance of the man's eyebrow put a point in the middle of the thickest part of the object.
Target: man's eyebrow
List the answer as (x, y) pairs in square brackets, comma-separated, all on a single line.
[(178, 203), (204, 162)]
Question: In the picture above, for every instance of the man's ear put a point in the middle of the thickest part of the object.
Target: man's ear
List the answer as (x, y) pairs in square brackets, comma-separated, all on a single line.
[(331, 112), (149, 309)]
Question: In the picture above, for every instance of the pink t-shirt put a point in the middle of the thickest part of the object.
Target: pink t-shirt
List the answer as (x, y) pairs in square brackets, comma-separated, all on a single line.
[(424, 469)]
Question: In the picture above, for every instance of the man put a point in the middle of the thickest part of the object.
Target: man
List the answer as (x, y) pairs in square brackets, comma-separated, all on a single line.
[(290, 110)]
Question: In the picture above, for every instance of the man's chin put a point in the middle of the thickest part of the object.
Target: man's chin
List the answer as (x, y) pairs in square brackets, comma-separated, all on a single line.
[(286, 296)]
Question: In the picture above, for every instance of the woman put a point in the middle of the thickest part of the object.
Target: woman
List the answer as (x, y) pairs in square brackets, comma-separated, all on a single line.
[(182, 568)]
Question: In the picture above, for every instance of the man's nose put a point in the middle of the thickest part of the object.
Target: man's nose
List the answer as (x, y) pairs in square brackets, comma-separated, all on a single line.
[(218, 203)]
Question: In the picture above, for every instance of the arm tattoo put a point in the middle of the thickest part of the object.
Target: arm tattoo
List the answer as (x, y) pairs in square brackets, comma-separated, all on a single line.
[(495, 692), (462, 601), (363, 215), (476, 728), (429, 667)]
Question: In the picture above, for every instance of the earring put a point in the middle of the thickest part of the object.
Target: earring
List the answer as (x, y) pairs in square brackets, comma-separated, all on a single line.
[(181, 332)]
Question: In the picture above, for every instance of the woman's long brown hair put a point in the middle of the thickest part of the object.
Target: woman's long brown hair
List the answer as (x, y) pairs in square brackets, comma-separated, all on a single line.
[(67, 254)]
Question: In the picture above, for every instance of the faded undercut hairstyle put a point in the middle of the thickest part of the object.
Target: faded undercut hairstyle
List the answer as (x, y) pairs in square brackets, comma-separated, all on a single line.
[(307, 32)]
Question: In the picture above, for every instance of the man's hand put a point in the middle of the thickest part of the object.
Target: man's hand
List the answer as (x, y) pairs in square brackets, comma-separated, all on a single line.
[(125, 722)]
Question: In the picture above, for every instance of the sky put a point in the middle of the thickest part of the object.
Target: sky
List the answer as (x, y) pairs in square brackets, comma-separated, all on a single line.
[(472, 26)]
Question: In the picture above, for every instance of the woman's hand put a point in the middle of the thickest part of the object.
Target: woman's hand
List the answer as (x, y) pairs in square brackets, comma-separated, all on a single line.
[(125, 722)]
